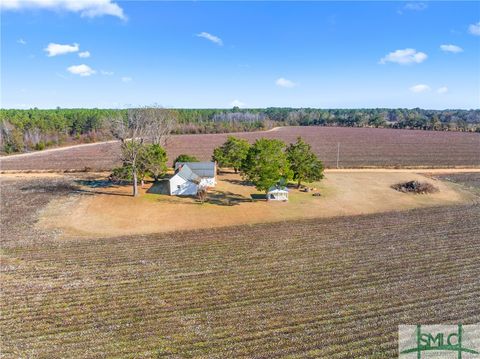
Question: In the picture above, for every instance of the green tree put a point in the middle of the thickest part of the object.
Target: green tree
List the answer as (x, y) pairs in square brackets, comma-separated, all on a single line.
[(266, 164), (435, 123), (154, 161), (185, 158), (123, 173), (304, 163), (231, 153), (377, 121)]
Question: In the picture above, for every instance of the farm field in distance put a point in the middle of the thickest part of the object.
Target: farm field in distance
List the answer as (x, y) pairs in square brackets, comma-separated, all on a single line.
[(333, 288), (359, 147)]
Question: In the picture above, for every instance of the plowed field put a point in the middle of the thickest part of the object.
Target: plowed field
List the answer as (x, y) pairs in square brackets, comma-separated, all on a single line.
[(328, 288), (359, 147)]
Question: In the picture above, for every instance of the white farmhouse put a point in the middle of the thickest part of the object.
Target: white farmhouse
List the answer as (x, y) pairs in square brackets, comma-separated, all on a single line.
[(191, 176)]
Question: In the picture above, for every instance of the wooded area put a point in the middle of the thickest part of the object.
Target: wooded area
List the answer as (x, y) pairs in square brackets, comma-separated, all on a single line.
[(36, 129)]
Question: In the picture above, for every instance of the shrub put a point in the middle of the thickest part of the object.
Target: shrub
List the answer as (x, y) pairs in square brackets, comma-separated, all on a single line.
[(185, 158), (415, 187), (121, 174), (40, 146)]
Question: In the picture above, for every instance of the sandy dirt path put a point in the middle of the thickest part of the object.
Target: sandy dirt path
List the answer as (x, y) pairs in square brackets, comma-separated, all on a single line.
[(57, 149)]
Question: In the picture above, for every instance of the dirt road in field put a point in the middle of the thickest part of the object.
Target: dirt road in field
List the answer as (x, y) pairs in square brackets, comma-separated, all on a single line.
[(58, 149)]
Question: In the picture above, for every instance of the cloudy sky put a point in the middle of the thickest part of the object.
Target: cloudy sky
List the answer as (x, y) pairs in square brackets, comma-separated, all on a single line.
[(107, 53)]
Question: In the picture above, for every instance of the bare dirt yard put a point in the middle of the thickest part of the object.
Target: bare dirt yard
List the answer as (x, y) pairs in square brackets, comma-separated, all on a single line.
[(105, 210), (359, 147)]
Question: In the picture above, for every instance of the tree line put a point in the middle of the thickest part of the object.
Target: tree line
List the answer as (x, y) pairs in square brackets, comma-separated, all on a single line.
[(36, 129)]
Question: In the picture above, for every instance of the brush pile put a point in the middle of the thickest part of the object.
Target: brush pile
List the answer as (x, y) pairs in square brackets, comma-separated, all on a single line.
[(415, 187)]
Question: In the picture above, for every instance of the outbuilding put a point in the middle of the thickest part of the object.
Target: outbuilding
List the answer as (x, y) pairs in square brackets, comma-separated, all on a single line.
[(277, 193)]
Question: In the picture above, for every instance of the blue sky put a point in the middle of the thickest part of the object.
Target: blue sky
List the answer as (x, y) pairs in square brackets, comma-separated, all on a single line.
[(252, 54)]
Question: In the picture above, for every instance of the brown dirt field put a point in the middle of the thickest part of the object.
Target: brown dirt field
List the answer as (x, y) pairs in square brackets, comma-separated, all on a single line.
[(112, 212), (332, 288), (359, 147)]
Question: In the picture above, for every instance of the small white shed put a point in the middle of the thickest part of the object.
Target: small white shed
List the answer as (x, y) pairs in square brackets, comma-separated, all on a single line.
[(277, 193)]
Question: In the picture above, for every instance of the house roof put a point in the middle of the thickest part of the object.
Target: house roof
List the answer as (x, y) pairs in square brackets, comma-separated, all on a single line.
[(187, 174), (277, 189), (201, 169)]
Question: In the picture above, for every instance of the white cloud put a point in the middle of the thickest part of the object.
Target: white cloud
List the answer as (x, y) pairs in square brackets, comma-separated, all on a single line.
[(106, 73), (82, 70), (58, 49), (420, 88), (442, 90), (404, 57), (237, 103), (21, 42), (282, 82), (474, 29), (451, 48), (126, 79), (415, 6), (84, 54), (86, 8), (210, 37)]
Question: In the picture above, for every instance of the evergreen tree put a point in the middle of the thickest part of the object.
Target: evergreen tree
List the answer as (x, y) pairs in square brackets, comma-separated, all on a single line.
[(154, 161), (266, 164), (185, 158), (304, 163), (231, 153)]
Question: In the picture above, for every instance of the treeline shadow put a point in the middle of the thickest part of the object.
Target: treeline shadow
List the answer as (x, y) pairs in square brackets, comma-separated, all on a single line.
[(51, 188), (159, 187), (227, 199), (238, 182), (99, 184)]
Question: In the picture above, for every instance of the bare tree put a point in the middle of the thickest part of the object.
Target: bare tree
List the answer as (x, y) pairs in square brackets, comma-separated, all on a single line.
[(162, 123), (32, 137), (5, 130), (141, 125), (132, 132), (11, 137)]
